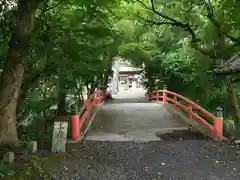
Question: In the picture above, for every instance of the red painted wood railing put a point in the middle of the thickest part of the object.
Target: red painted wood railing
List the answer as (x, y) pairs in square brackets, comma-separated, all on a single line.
[(77, 121), (164, 95)]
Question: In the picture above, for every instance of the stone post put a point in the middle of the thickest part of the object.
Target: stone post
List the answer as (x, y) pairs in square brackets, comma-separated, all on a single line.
[(219, 112), (164, 87)]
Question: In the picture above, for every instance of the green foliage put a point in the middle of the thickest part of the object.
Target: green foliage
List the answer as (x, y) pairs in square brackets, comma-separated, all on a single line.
[(74, 42), (71, 50), (160, 39), (5, 171)]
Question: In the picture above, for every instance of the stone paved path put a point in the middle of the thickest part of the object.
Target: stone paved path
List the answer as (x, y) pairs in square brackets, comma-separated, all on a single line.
[(132, 122), (130, 118)]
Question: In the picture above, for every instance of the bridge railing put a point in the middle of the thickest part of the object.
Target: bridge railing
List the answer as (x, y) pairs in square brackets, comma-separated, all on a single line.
[(192, 109), (77, 120)]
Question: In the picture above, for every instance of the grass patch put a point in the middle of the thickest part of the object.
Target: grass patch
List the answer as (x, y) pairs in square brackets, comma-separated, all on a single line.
[(36, 168)]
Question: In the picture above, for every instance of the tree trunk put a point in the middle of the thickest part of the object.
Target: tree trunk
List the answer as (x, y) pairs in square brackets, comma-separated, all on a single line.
[(79, 91), (80, 99), (62, 93), (106, 75), (61, 110), (235, 101), (13, 69), (150, 81)]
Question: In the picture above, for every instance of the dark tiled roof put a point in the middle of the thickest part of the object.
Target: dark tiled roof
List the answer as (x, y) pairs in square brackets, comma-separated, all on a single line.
[(229, 67)]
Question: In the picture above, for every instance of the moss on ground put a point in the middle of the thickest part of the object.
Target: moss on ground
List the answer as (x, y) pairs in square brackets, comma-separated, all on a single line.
[(36, 168)]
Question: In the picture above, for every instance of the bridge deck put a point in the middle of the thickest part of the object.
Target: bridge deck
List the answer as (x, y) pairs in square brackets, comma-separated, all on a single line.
[(132, 121)]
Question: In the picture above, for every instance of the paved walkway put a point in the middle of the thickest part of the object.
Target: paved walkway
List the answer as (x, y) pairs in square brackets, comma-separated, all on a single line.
[(130, 118), (132, 122), (122, 145)]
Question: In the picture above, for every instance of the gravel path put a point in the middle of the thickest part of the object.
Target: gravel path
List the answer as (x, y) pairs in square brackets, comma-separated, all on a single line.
[(190, 159)]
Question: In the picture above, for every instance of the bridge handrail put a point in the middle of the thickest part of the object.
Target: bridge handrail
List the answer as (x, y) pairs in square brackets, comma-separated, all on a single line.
[(94, 100), (216, 128)]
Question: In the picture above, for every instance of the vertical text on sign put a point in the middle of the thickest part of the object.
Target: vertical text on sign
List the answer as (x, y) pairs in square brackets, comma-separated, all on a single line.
[(59, 138)]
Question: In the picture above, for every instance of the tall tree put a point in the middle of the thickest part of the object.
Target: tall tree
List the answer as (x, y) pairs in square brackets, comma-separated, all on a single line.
[(14, 66)]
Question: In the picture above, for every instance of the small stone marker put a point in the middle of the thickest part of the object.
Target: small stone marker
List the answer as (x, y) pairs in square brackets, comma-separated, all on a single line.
[(32, 146), (59, 138), (237, 141), (8, 157)]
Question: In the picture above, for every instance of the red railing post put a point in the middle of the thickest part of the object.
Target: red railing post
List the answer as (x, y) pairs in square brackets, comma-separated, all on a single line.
[(99, 97), (164, 95), (147, 98), (175, 99), (218, 124), (190, 110), (91, 103), (157, 96), (103, 96), (96, 97), (75, 124)]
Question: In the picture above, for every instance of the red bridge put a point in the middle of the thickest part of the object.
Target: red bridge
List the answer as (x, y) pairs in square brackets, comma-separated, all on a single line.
[(191, 114), (162, 135)]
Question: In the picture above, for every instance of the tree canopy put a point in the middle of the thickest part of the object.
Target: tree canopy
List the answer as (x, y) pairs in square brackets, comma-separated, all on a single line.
[(52, 50)]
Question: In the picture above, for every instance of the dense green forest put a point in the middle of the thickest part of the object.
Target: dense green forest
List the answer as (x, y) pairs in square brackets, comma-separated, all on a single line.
[(51, 50)]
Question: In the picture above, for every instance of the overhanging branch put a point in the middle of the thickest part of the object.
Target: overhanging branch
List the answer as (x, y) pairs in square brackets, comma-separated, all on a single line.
[(218, 25), (195, 42)]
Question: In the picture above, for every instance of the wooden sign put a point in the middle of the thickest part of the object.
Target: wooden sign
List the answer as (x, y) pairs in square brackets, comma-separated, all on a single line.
[(59, 138)]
